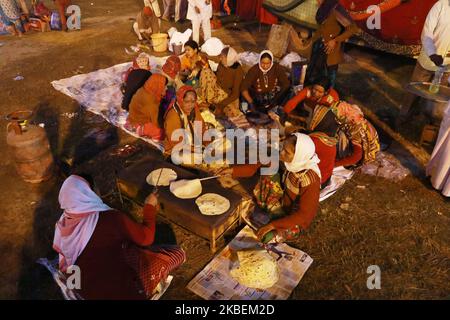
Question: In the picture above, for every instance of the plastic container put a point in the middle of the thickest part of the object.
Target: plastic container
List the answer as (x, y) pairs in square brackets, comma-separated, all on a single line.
[(160, 42), (177, 49), (30, 148), (434, 87)]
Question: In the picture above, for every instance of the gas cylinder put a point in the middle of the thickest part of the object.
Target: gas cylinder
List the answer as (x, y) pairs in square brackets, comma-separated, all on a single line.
[(30, 148)]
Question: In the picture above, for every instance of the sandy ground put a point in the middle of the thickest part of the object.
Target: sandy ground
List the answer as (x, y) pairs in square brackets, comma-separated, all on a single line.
[(400, 226)]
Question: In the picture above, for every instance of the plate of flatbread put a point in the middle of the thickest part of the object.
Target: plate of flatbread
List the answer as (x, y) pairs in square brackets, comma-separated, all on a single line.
[(167, 176), (212, 204)]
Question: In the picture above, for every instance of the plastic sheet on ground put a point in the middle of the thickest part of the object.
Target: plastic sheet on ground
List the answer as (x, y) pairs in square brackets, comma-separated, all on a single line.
[(214, 282), (99, 92), (340, 175), (386, 166)]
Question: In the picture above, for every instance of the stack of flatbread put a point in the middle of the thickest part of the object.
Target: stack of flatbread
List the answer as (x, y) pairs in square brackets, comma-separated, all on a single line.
[(212, 204), (257, 269)]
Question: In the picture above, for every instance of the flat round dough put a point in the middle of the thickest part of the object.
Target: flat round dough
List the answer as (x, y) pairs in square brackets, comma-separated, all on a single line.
[(186, 189), (257, 269), (212, 204), (167, 176)]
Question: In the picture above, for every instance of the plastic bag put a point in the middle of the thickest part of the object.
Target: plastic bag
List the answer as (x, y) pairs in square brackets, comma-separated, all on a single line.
[(249, 58), (290, 58)]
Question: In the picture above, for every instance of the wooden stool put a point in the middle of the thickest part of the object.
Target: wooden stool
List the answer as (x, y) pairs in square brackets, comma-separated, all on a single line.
[(429, 134)]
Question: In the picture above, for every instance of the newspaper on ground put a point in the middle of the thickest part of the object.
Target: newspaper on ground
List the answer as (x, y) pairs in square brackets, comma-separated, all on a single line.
[(215, 282)]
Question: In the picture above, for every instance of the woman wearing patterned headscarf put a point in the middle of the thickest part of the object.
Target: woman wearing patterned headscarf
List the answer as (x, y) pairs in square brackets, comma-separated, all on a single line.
[(184, 113), (364, 143), (134, 78)]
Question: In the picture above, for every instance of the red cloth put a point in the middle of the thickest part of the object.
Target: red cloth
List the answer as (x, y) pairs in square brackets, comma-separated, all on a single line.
[(153, 265), (402, 24), (216, 5), (156, 85), (304, 95), (327, 156), (246, 9), (105, 273), (352, 159), (306, 208), (265, 16)]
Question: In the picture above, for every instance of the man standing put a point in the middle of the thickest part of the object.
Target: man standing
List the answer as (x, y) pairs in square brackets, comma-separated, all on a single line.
[(200, 12), (435, 51)]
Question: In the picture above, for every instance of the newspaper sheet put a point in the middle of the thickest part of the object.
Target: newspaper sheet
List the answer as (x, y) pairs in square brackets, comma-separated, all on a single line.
[(214, 282)]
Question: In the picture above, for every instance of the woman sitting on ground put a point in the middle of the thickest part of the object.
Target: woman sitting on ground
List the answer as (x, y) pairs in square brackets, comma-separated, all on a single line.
[(266, 84), (143, 118), (106, 245), (183, 113), (134, 78), (306, 99), (192, 63), (222, 90), (363, 144), (290, 199)]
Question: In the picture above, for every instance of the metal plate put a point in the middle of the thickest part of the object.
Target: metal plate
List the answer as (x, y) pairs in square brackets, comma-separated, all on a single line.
[(421, 89)]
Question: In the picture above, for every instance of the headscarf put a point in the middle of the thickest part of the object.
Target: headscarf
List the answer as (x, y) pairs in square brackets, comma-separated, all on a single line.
[(232, 57), (156, 85), (260, 58), (148, 11), (327, 7), (305, 157), (349, 113), (77, 224), (186, 119), (142, 61), (180, 96), (172, 66)]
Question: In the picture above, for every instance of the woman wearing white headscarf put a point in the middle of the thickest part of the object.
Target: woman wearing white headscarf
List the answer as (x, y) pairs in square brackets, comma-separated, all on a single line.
[(266, 84), (290, 198), (103, 243)]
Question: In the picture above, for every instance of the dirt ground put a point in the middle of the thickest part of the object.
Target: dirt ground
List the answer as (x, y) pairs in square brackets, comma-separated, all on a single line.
[(403, 227)]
